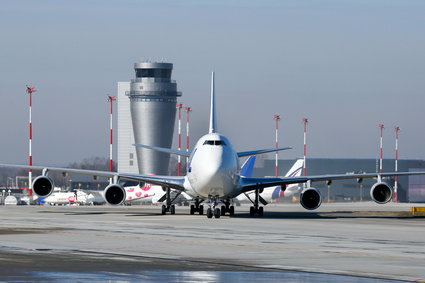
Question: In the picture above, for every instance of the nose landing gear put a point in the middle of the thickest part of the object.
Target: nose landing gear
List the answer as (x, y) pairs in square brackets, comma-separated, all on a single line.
[(215, 211)]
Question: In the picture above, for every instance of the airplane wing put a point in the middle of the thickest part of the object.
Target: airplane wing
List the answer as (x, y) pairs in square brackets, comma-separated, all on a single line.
[(187, 154), (249, 184), (261, 151), (166, 150), (165, 181)]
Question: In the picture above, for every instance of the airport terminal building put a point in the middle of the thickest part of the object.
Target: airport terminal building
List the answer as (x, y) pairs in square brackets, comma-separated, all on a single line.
[(410, 188)]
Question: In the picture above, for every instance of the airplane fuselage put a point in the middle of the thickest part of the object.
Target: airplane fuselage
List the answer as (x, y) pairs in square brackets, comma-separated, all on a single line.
[(213, 168)]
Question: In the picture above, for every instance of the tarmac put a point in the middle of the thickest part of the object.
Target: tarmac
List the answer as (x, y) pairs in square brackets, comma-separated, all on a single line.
[(364, 240)]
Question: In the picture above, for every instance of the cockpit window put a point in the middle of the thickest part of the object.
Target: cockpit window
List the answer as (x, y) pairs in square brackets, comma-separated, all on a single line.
[(211, 142)]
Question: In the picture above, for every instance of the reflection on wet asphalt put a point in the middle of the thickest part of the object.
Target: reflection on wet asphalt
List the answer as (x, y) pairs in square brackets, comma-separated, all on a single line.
[(192, 276)]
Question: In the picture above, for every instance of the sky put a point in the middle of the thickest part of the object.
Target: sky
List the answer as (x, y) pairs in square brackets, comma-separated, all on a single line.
[(347, 65)]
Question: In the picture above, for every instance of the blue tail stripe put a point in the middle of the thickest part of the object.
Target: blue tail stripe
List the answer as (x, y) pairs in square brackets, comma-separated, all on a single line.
[(295, 172)]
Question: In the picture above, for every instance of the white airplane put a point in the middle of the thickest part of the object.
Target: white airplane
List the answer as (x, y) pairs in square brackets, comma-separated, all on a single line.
[(60, 198), (271, 194), (213, 176)]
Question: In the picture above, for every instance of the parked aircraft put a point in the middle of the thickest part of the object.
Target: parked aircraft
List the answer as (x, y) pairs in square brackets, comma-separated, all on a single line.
[(58, 198), (213, 177), (134, 191)]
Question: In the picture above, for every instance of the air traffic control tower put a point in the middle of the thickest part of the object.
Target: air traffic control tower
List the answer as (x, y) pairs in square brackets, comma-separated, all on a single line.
[(153, 97)]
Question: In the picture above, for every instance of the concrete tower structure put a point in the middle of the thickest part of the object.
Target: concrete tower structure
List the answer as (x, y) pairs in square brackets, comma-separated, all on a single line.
[(153, 97)]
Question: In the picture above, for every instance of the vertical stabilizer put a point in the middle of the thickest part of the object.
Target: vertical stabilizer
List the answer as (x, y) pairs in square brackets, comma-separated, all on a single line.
[(296, 169), (248, 167), (213, 126)]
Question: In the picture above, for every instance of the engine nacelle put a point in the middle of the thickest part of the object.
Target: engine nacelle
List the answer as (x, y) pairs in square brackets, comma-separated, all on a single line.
[(43, 186), (381, 193), (310, 198), (114, 194)]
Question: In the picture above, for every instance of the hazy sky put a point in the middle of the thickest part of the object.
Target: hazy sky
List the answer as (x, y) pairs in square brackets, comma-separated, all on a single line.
[(347, 65)]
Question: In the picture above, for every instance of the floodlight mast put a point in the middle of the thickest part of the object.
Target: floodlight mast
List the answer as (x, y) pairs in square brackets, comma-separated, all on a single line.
[(381, 128), (179, 107), (187, 110), (111, 99), (305, 122), (30, 91), (277, 118), (397, 130)]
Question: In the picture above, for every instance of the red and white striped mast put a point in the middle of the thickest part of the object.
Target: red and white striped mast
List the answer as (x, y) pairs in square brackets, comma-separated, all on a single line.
[(30, 91), (179, 140), (305, 122), (397, 130), (111, 99), (187, 110), (381, 128), (277, 118)]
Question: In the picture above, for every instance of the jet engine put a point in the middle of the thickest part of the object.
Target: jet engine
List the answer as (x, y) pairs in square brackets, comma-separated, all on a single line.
[(310, 198), (114, 194), (381, 193), (43, 186)]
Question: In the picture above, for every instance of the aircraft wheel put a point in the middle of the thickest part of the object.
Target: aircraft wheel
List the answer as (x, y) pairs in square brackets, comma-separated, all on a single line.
[(201, 210), (252, 211), (232, 210), (209, 213), (192, 209), (163, 209), (223, 210), (261, 211), (217, 213), (173, 209)]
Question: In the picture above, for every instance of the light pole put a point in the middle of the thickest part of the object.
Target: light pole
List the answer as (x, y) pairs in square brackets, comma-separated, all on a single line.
[(277, 118), (305, 122), (397, 130), (30, 91), (187, 110), (179, 140), (111, 99), (381, 128)]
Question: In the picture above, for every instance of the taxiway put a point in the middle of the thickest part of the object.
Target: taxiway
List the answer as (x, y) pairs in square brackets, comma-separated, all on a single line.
[(357, 239)]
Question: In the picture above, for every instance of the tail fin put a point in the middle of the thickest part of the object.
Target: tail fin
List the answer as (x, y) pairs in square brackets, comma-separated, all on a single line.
[(248, 167), (213, 126), (296, 169)]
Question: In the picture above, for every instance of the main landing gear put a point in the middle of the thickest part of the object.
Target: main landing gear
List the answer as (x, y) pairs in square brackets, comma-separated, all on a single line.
[(257, 209), (197, 207), (227, 208), (169, 206)]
